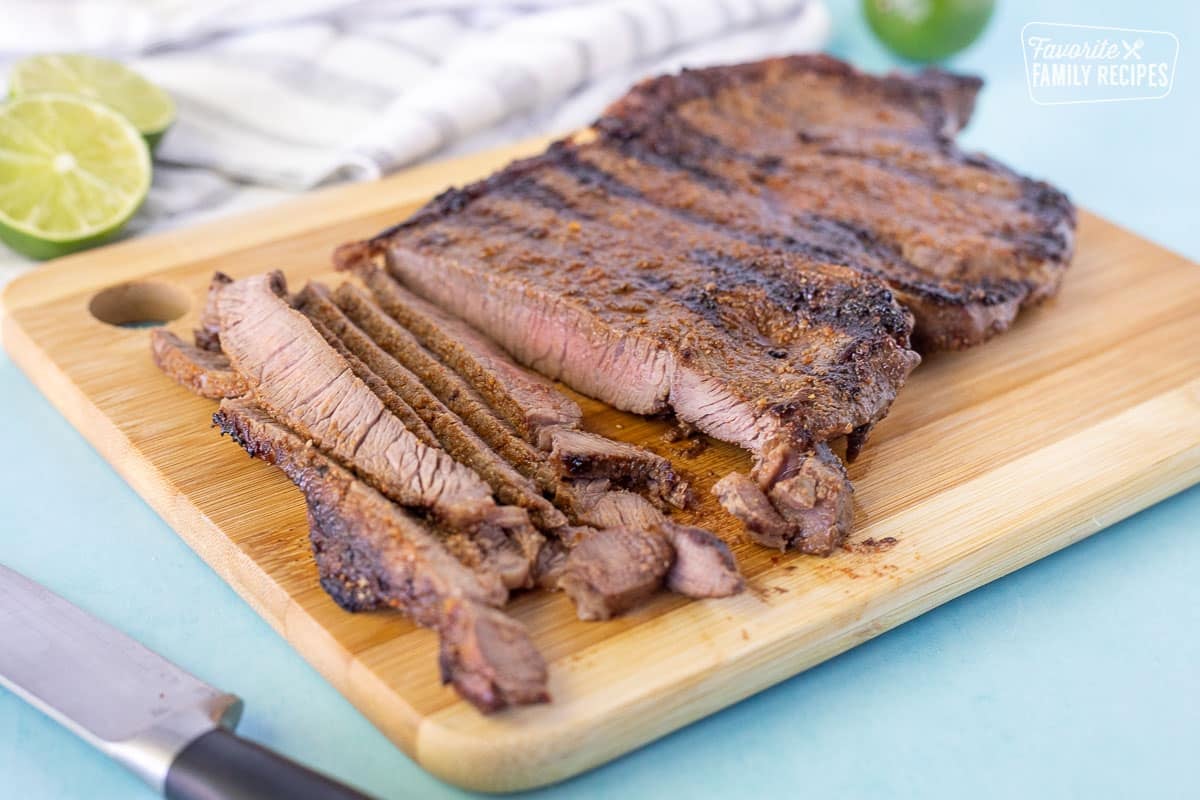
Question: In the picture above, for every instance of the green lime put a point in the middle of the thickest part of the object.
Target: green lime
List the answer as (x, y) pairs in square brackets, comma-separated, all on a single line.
[(72, 172), (927, 30), (148, 107)]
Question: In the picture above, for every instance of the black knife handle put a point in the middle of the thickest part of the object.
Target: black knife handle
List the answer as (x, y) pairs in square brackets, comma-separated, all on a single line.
[(220, 765)]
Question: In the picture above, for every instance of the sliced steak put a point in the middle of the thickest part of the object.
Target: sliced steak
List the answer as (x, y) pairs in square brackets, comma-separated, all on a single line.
[(701, 564), (391, 400), (810, 155), (201, 371), (208, 335), (370, 554), (525, 400), (455, 436), (302, 381), (632, 305), (401, 346)]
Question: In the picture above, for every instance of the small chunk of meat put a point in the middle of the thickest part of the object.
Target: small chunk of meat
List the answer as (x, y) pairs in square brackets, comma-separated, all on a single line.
[(489, 658), (202, 372), (792, 498), (703, 566), (613, 570)]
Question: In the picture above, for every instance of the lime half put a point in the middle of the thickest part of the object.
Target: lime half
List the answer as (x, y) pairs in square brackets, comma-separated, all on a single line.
[(148, 107), (72, 172)]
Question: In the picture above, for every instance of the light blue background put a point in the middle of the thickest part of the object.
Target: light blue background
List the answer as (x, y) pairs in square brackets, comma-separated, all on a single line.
[(1076, 677)]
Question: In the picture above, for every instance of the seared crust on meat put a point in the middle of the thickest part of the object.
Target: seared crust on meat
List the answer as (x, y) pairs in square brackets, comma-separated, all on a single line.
[(201, 371), (818, 156)]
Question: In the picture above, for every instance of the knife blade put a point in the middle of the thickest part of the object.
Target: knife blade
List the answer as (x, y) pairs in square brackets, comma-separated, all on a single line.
[(170, 728)]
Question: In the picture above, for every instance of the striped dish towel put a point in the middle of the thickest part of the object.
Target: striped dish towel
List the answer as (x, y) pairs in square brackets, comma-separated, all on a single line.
[(278, 97)]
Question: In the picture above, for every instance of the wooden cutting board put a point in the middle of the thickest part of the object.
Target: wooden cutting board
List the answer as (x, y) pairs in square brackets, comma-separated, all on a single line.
[(1087, 411)]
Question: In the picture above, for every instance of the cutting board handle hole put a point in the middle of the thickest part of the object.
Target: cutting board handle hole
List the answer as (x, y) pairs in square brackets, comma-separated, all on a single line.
[(141, 304)]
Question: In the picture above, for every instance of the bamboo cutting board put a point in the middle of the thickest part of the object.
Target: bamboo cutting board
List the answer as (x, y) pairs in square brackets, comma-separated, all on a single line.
[(1086, 412)]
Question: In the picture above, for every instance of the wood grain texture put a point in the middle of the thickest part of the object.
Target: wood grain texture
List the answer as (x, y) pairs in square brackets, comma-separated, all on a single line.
[(1088, 411)]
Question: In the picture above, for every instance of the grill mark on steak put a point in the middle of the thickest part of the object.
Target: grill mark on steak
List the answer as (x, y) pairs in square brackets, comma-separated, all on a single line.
[(457, 438), (779, 133), (298, 378), (370, 553), (201, 371)]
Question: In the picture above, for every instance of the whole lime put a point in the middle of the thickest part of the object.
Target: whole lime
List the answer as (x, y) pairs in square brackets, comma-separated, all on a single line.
[(927, 30)]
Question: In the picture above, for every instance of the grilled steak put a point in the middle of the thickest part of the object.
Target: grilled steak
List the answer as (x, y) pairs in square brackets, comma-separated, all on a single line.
[(301, 381), (639, 307), (204, 372), (370, 553), (650, 314), (528, 401), (809, 155)]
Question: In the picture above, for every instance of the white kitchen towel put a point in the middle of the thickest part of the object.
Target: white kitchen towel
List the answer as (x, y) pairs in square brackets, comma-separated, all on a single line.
[(278, 97)]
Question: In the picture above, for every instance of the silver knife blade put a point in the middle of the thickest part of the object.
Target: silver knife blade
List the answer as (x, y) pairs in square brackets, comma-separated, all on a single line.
[(126, 700)]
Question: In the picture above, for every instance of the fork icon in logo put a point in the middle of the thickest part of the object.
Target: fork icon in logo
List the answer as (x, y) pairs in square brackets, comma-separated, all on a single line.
[(1133, 50)]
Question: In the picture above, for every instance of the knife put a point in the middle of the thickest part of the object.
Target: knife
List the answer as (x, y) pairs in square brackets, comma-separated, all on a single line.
[(173, 730)]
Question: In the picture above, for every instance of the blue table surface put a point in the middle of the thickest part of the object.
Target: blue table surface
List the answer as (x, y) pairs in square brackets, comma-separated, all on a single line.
[(1077, 676)]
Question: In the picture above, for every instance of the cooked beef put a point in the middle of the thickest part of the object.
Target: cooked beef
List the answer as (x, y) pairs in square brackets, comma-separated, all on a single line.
[(541, 407), (579, 454), (303, 382), (489, 658), (792, 499), (703, 564), (809, 155), (527, 401), (402, 346), (630, 304), (204, 372), (742, 498), (370, 553), (208, 335), (610, 571), (390, 399), (456, 438), (650, 312)]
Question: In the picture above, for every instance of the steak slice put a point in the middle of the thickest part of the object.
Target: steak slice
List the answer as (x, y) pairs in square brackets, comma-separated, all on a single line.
[(525, 400), (812, 156), (455, 436), (303, 382), (579, 454), (370, 553), (201, 371)]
